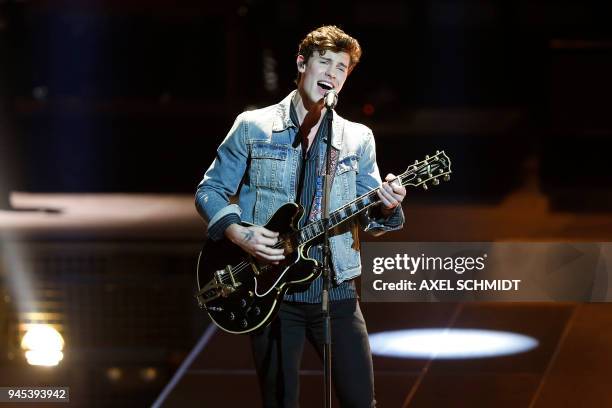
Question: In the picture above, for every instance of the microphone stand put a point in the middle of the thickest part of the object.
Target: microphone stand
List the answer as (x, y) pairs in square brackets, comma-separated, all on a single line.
[(327, 351)]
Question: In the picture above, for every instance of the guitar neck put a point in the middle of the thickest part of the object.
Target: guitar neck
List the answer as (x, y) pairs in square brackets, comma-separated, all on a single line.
[(315, 229), (417, 174)]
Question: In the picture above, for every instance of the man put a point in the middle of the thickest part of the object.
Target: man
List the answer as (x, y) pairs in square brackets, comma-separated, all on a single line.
[(276, 155)]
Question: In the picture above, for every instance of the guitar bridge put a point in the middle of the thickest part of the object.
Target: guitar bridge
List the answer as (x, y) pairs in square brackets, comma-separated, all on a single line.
[(216, 287)]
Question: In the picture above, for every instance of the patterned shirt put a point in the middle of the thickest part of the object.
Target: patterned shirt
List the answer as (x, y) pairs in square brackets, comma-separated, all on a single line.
[(309, 178)]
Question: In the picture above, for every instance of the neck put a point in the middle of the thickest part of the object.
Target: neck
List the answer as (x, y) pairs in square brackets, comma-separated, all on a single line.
[(306, 110)]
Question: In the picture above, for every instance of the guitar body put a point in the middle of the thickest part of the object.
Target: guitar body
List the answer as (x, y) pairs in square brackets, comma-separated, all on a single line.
[(241, 295)]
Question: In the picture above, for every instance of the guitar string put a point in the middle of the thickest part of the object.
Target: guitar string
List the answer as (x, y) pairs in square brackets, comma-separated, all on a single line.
[(244, 264), (369, 195)]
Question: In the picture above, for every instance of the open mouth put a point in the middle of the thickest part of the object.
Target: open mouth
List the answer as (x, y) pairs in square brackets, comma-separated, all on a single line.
[(326, 86)]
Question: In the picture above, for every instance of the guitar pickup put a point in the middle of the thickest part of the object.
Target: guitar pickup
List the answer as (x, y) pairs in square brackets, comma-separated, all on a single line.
[(219, 277)]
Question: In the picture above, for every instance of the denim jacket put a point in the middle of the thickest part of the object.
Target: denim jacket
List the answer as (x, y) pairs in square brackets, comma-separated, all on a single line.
[(257, 161)]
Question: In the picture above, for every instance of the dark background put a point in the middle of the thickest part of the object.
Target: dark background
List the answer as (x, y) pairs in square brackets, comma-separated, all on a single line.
[(135, 96)]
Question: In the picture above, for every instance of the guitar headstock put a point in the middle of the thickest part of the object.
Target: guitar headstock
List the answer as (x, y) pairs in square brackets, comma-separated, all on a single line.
[(430, 169)]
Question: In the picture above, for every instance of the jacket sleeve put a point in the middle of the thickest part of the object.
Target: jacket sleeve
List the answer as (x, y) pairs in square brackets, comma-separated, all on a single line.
[(368, 178), (223, 177)]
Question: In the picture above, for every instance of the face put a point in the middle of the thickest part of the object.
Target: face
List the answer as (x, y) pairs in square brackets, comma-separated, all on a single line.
[(322, 73)]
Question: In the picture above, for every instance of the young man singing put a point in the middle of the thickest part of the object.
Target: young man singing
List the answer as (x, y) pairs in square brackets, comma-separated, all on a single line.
[(276, 155)]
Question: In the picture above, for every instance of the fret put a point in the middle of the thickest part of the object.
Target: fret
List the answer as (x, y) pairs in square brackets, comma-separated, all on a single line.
[(338, 218), (316, 228), (333, 218)]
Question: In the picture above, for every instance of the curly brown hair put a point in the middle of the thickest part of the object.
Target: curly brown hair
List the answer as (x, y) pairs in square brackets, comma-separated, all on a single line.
[(331, 38)]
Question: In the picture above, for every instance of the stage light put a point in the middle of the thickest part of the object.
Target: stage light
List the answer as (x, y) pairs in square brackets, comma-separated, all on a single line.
[(368, 109), (114, 373), (43, 345), (148, 374), (449, 343)]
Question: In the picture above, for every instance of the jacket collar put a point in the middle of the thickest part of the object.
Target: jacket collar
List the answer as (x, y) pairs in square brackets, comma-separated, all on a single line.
[(282, 121)]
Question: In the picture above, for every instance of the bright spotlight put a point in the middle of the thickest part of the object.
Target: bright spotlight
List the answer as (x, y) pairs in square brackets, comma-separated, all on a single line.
[(449, 343), (43, 345)]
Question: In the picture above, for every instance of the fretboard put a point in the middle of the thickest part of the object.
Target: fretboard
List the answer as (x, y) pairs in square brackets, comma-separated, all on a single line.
[(342, 214)]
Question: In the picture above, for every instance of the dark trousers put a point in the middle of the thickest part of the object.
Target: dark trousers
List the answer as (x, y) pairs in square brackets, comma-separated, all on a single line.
[(277, 351)]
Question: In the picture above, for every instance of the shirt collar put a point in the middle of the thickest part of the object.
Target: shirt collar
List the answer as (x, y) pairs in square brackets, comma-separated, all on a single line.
[(282, 121)]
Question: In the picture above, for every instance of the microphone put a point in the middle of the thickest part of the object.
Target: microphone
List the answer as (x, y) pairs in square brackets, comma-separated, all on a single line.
[(331, 99)]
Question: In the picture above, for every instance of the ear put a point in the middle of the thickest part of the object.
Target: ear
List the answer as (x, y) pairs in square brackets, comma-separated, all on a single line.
[(301, 64)]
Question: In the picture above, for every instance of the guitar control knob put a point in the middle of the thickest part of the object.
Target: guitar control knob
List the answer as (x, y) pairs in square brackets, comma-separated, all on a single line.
[(243, 303), (232, 316), (256, 311), (244, 323)]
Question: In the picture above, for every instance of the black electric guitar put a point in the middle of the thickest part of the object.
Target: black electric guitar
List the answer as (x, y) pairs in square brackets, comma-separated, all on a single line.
[(241, 295)]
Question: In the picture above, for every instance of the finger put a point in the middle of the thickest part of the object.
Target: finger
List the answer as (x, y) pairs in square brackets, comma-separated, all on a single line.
[(268, 257), (269, 250), (269, 242), (394, 192), (401, 190), (266, 232), (384, 193), (389, 177), (387, 188), (387, 202), (393, 180), (397, 196), (398, 188), (390, 193), (391, 196)]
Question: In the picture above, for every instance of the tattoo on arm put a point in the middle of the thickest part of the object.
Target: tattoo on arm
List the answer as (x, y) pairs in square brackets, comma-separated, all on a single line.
[(248, 235)]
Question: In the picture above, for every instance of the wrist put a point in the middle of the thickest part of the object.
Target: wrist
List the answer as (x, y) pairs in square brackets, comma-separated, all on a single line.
[(232, 231), (386, 212)]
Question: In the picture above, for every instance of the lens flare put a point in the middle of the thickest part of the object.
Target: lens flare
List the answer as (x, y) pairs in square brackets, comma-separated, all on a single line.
[(43, 345), (446, 343)]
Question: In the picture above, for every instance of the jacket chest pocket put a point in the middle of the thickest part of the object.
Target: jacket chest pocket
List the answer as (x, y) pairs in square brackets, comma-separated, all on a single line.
[(269, 164), (346, 176)]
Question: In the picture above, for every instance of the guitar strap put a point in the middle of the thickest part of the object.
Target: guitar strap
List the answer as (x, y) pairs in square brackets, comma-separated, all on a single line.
[(316, 208)]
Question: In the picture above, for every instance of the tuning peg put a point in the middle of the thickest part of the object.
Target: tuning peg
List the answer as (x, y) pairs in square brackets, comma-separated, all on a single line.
[(435, 182), (416, 162), (446, 177), (425, 186), (437, 152), (419, 180), (426, 157)]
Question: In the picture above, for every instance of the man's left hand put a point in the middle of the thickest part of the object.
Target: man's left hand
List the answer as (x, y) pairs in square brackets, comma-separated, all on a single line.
[(391, 194)]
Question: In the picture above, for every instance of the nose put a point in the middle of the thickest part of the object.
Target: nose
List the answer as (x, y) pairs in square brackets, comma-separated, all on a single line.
[(330, 72)]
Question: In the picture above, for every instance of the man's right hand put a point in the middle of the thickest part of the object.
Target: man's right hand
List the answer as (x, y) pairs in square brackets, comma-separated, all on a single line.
[(256, 241)]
